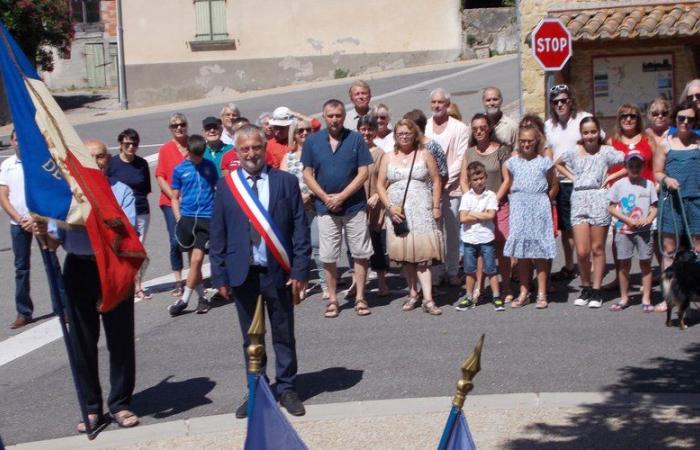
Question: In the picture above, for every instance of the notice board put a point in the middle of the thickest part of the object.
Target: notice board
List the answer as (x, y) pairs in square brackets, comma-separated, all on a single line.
[(630, 79)]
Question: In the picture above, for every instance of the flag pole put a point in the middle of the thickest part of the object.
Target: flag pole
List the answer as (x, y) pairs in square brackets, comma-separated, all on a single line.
[(58, 302), (256, 352), (470, 368)]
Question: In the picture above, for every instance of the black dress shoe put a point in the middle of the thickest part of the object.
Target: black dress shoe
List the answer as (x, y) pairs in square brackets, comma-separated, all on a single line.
[(290, 400), (242, 411)]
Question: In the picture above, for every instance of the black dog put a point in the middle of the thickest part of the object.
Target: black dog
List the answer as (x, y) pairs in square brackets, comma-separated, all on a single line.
[(681, 285)]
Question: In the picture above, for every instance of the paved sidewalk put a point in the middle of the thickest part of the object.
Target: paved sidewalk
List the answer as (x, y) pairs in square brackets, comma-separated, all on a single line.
[(508, 421)]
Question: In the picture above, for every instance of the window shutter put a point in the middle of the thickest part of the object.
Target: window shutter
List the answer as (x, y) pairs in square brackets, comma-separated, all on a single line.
[(210, 20), (218, 19)]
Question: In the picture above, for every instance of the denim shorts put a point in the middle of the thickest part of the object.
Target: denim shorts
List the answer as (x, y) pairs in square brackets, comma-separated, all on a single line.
[(487, 252)]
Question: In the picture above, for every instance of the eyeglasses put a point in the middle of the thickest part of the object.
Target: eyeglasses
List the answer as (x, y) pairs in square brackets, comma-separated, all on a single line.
[(211, 128), (253, 148), (628, 117), (403, 135), (561, 101), (680, 118), (558, 89), (303, 130), (475, 129), (383, 117), (128, 144), (659, 113), (695, 97), (174, 126)]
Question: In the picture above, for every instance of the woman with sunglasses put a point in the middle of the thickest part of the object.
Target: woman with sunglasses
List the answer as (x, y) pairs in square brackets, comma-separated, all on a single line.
[(658, 119), (676, 166), (385, 137), (691, 92), (170, 155), (299, 130), (132, 170)]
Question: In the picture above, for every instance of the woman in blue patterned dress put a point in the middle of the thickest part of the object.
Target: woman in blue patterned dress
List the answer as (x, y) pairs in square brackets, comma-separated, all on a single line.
[(531, 180)]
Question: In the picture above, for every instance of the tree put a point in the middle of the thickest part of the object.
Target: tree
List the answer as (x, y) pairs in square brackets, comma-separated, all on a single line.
[(38, 24)]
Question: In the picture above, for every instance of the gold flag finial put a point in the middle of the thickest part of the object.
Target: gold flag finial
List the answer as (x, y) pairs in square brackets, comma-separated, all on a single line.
[(256, 334), (470, 368)]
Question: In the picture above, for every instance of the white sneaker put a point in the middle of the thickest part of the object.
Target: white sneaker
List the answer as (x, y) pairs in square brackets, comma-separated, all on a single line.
[(595, 303), (583, 297)]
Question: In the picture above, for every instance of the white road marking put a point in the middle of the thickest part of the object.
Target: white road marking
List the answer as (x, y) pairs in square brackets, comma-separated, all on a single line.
[(47, 332)]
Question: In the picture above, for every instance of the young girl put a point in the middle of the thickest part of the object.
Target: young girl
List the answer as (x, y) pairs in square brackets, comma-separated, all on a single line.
[(530, 178), (587, 166)]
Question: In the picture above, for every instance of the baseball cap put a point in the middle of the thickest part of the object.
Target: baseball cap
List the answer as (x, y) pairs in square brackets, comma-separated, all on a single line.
[(632, 154), (211, 120), (281, 117)]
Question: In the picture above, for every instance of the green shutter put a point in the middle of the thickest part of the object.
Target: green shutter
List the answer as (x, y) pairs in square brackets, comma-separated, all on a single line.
[(218, 19), (210, 20), (201, 12)]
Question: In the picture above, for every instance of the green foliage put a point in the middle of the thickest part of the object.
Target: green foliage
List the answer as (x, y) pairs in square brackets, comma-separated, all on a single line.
[(38, 23), (471, 40), (341, 73)]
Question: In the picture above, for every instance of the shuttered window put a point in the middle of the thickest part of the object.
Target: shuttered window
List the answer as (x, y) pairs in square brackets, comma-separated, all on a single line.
[(210, 20)]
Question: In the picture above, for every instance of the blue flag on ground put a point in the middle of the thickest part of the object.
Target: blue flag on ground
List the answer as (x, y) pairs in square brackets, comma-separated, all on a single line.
[(268, 428), (460, 437)]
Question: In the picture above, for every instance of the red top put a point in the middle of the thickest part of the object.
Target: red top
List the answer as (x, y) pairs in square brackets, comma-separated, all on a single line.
[(169, 157), (642, 147), (275, 151), (230, 161)]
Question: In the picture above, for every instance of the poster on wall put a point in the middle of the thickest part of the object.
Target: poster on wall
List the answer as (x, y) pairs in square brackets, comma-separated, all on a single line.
[(630, 79)]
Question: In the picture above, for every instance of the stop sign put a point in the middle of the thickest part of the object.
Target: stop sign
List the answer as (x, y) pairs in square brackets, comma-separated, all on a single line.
[(551, 44)]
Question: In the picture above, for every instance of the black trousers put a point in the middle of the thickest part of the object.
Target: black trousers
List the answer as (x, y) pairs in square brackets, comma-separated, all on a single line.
[(280, 310), (82, 284)]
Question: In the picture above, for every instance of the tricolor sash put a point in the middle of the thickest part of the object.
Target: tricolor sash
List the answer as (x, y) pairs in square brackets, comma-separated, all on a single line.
[(259, 217)]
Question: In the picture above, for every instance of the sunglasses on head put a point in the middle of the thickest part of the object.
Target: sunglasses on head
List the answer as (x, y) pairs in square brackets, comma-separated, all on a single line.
[(693, 96), (681, 118), (558, 89), (178, 125), (561, 101), (628, 116), (659, 113)]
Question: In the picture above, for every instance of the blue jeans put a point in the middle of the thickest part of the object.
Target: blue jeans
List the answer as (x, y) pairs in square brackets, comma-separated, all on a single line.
[(487, 252), (175, 254), (22, 248)]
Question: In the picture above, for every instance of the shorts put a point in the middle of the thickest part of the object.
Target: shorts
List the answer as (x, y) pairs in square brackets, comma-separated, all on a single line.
[(671, 214), (502, 218), (564, 206), (192, 232), (627, 243), (590, 206), (331, 229), (487, 252)]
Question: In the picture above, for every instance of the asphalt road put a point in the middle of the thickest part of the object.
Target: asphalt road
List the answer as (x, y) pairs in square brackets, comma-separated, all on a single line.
[(193, 365)]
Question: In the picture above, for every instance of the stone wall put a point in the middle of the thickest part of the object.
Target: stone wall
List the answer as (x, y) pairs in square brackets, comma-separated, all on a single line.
[(495, 27)]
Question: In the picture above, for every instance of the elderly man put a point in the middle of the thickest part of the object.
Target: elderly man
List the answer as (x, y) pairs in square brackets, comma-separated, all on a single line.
[(242, 262), (453, 137), (360, 96), (278, 146), (229, 113), (83, 290), (21, 222), (216, 149), (506, 128), (336, 164)]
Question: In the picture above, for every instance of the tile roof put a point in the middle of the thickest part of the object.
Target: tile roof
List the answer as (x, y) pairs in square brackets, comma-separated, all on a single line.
[(632, 21)]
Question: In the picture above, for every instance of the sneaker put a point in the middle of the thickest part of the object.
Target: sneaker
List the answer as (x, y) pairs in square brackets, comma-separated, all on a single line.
[(498, 304), (465, 303), (202, 306), (596, 300), (584, 297), (564, 274), (242, 410), (177, 308)]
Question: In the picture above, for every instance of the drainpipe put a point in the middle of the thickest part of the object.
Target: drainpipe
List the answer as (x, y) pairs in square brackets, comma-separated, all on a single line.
[(520, 57), (123, 101)]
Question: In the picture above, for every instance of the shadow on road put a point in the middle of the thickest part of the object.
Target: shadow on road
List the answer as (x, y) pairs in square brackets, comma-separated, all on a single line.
[(332, 379), (169, 398), (632, 417)]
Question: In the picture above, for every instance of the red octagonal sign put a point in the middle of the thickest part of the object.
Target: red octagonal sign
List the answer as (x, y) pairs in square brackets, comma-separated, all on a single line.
[(551, 44)]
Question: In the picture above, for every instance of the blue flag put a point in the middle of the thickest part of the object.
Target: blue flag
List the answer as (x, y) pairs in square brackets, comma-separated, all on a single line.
[(268, 428), (460, 437)]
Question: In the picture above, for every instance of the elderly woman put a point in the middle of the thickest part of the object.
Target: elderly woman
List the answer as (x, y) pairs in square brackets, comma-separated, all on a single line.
[(691, 92), (385, 137), (132, 170), (291, 162), (413, 197), (658, 119), (676, 167), (229, 113), (264, 123), (171, 154), (367, 127), (486, 149)]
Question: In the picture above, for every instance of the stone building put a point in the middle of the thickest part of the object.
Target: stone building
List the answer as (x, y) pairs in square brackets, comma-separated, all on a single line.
[(623, 51)]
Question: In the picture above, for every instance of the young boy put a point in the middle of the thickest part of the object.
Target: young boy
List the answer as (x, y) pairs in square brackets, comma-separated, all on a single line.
[(476, 213), (633, 203)]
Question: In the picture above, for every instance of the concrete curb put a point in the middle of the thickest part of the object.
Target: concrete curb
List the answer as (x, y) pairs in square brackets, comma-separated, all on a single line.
[(365, 409)]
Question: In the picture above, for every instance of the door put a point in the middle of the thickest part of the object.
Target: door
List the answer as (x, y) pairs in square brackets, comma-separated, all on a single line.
[(95, 65)]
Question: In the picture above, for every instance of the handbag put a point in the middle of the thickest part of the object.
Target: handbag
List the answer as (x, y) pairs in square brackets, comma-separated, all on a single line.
[(401, 228)]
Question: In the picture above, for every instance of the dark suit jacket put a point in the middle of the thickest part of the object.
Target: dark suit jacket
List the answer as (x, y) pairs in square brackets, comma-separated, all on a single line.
[(229, 233)]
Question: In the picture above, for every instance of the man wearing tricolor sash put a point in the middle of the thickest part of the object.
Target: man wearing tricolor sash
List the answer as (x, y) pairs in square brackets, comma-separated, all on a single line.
[(260, 245)]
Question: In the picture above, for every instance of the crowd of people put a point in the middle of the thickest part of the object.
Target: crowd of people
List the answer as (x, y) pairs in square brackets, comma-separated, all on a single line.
[(275, 201)]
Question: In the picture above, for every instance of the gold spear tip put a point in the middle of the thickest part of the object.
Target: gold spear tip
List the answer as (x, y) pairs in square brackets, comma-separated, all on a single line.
[(472, 365), (257, 326), (256, 335)]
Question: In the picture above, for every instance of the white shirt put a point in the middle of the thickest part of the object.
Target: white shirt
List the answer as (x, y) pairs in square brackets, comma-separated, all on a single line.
[(12, 176), (561, 139), (386, 143), (454, 140), (351, 118), (227, 138), (259, 252), (507, 131), (481, 232)]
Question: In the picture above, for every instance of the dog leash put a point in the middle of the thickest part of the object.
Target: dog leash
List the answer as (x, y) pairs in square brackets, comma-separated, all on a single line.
[(684, 218)]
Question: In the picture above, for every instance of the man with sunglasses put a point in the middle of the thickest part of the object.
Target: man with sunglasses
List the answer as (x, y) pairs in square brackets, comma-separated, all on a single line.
[(216, 149), (562, 134)]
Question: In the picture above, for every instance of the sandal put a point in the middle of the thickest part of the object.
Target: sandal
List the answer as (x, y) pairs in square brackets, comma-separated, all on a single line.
[(619, 306), (331, 310), (660, 307), (177, 291), (648, 308), (97, 423), (361, 307), (431, 308), (523, 299), (508, 298), (125, 419), (541, 301), (142, 295), (410, 304)]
